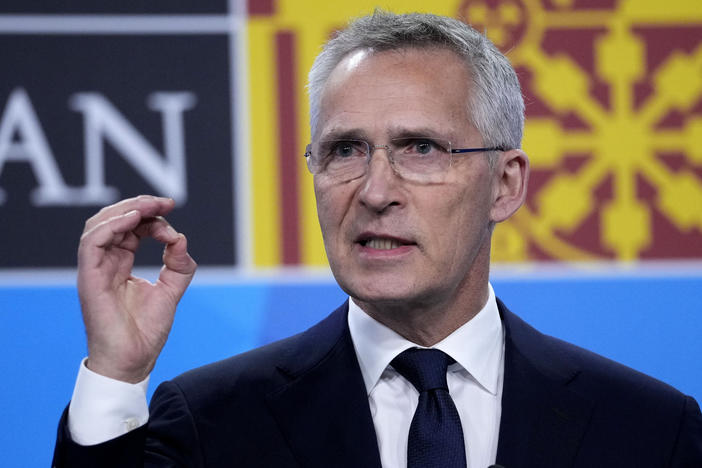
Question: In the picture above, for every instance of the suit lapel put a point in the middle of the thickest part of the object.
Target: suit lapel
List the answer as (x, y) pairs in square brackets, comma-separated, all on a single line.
[(324, 415), (542, 421), (323, 410)]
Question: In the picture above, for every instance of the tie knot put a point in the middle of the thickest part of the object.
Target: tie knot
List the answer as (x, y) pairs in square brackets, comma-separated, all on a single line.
[(424, 368)]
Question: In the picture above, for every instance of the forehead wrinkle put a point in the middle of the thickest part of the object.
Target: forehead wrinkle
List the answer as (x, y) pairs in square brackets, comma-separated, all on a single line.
[(335, 122)]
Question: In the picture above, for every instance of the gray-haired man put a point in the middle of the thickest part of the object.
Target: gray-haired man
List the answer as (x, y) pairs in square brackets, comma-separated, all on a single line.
[(416, 130)]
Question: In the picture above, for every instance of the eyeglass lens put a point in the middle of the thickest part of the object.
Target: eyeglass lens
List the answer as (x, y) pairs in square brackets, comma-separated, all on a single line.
[(416, 158)]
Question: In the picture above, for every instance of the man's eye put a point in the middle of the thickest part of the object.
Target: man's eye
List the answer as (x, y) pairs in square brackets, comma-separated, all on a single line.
[(344, 149), (423, 146), (419, 146)]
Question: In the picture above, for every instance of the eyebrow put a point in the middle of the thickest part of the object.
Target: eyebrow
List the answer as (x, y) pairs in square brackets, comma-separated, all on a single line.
[(402, 132), (345, 134)]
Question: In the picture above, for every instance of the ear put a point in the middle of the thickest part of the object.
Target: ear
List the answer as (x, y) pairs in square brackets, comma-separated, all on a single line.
[(510, 177)]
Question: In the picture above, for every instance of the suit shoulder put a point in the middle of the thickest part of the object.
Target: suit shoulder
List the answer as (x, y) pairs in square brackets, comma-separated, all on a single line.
[(594, 376), (257, 366), (599, 375), (266, 368)]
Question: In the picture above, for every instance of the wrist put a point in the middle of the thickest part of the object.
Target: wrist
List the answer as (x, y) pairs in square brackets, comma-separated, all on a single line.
[(106, 369)]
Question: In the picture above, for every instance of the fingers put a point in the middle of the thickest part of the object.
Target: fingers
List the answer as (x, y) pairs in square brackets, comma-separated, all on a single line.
[(178, 267), (124, 229), (113, 231), (157, 228), (148, 205)]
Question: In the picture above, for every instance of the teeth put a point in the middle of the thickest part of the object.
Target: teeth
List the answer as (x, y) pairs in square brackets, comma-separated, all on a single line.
[(382, 244)]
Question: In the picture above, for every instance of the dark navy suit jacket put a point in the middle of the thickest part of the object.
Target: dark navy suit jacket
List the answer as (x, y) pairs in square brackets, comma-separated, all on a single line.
[(301, 402)]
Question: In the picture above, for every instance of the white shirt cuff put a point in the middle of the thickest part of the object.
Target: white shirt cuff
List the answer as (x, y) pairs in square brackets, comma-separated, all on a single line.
[(103, 408)]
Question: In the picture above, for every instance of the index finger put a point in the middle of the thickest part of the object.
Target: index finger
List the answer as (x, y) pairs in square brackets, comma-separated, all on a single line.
[(147, 205)]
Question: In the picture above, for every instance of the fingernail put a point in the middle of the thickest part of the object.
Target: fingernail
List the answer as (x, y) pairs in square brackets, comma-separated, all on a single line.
[(171, 231), (131, 213)]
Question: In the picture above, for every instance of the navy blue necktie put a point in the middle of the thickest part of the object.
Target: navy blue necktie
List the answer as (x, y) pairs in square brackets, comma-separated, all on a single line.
[(435, 435)]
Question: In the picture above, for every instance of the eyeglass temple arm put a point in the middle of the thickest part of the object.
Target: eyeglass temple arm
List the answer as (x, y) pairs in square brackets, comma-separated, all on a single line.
[(477, 150)]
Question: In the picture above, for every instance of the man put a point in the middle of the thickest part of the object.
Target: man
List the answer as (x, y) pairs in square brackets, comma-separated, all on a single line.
[(416, 129)]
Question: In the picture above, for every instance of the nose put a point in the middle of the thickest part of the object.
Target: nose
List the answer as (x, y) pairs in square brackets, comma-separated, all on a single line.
[(380, 189)]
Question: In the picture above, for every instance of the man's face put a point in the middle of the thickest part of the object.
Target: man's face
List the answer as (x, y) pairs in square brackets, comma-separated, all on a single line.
[(390, 240)]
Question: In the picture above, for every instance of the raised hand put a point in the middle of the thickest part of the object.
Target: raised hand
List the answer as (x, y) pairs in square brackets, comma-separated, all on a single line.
[(127, 319)]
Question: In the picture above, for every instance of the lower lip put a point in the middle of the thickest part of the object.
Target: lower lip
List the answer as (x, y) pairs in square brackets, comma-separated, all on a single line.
[(397, 252)]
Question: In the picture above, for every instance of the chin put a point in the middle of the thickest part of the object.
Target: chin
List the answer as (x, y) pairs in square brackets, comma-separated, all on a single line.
[(380, 290)]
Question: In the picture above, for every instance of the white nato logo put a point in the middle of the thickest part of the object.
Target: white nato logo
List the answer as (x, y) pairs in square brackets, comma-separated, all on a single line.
[(23, 140)]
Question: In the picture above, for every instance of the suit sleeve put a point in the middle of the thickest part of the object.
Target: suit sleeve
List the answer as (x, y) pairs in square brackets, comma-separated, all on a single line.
[(169, 439), (688, 448)]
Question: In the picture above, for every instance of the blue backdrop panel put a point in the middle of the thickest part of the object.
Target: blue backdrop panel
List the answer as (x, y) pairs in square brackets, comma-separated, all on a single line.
[(651, 324)]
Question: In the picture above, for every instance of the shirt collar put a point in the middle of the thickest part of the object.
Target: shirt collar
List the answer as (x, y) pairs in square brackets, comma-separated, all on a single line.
[(477, 346)]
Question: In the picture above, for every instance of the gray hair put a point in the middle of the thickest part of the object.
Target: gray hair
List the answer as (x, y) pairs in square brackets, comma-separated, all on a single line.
[(496, 103)]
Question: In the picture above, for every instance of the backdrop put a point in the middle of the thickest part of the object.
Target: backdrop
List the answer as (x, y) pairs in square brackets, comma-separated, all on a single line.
[(205, 102)]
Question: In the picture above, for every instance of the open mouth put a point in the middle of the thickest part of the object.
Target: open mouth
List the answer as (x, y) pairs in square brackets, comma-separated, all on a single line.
[(382, 243)]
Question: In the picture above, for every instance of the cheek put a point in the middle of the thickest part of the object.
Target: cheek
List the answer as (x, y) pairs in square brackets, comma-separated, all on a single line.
[(466, 219), (331, 206), (325, 213)]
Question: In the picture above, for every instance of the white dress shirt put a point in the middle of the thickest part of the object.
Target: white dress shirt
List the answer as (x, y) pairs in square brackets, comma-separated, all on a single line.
[(474, 381), (102, 408)]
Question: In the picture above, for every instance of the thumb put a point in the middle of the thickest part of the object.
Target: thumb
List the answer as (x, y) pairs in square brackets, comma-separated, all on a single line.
[(178, 267)]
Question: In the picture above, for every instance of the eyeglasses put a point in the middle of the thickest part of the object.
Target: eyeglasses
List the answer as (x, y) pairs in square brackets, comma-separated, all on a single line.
[(423, 159)]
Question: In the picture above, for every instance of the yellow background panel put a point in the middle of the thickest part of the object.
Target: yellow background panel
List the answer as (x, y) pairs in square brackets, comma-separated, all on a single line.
[(622, 139)]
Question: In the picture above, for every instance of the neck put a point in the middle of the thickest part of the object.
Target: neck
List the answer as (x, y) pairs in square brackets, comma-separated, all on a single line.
[(426, 321)]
